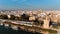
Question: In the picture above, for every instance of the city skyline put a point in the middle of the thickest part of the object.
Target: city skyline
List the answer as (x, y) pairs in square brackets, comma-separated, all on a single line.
[(29, 4)]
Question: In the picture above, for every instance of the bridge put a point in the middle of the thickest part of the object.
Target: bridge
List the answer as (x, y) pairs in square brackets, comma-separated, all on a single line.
[(24, 26), (28, 26)]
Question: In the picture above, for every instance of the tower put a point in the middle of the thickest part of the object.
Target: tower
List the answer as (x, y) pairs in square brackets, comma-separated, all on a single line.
[(46, 22)]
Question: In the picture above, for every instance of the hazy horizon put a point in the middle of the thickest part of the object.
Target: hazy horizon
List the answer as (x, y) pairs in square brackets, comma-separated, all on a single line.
[(29, 4)]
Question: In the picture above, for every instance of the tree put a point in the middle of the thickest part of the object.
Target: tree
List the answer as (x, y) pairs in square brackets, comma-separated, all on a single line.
[(24, 17), (3, 17), (12, 17)]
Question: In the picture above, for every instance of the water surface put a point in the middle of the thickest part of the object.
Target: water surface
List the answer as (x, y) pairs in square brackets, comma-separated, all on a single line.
[(4, 30)]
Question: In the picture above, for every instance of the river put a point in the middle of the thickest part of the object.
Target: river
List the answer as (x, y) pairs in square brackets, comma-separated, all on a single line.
[(4, 30)]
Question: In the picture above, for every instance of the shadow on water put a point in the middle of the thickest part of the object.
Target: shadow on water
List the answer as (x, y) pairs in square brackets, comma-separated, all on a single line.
[(4, 30)]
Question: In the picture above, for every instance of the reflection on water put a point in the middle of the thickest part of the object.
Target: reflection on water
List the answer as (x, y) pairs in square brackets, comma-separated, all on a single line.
[(4, 30)]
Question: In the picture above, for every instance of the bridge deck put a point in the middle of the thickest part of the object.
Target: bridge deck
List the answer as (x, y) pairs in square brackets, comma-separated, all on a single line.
[(28, 27)]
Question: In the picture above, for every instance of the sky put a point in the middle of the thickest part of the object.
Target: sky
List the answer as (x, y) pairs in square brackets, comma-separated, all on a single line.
[(29, 4)]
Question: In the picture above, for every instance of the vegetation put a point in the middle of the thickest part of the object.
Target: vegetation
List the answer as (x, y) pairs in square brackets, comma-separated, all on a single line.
[(12, 17), (3, 17), (25, 17)]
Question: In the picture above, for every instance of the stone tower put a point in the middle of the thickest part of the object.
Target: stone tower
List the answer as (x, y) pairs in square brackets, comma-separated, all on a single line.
[(46, 22)]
